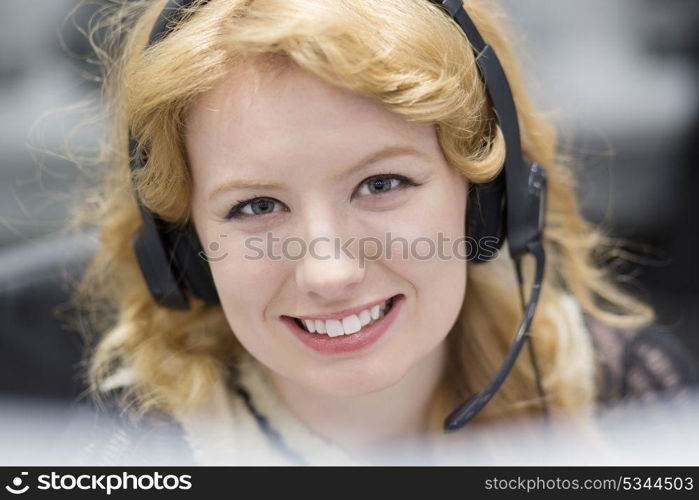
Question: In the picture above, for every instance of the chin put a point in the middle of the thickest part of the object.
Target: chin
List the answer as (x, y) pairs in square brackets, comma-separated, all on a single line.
[(360, 380)]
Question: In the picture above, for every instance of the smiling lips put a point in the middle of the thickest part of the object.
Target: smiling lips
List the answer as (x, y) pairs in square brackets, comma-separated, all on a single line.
[(346, 321), (349, 324), (349, 333)]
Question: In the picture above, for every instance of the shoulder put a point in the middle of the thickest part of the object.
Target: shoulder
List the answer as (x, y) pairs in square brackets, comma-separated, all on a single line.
[(112, 432), (222, 428), (647, 362)]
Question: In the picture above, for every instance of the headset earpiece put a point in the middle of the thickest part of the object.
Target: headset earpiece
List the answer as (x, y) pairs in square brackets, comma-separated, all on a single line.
[(156, 261), (485, 219), (171, 259), (193, 265), (152, 247)]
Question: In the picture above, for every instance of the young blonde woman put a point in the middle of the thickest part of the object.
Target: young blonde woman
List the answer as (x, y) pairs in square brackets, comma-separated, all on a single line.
[(287, 139)]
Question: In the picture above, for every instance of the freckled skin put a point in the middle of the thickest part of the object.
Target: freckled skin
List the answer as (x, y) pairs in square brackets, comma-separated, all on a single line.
[(298, 131)]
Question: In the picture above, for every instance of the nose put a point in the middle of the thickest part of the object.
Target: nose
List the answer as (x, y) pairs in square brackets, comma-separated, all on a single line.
[(331, 268)]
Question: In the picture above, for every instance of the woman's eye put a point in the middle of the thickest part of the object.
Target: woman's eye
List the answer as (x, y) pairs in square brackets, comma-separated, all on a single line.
[(380, 184), (375, 185), (253, 207)]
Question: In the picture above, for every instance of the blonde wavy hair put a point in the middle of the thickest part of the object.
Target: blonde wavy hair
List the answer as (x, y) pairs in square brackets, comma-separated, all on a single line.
[(407, 56)]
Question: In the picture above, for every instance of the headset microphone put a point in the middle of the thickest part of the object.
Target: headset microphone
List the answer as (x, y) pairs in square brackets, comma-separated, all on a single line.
[(525, 200), (467, 410), (510, 207)]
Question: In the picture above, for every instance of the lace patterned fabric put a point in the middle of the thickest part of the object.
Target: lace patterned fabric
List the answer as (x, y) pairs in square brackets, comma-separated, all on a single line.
[(648, 363)]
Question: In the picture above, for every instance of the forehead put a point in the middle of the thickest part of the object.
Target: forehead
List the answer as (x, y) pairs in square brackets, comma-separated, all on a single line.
[(257, 116)]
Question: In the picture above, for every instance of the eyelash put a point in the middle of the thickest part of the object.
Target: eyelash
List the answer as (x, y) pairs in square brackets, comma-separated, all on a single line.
[(236, 211)]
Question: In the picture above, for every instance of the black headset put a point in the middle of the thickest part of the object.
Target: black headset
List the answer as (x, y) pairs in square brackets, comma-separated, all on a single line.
[(510, 207)]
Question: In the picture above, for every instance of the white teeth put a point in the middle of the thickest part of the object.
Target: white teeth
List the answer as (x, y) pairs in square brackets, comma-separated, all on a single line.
[(334, 327), (365, 317), (347, 325), (310, 325), (351, 324)]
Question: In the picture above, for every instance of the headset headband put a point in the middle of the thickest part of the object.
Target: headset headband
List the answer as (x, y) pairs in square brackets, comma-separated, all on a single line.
[(515, 170)]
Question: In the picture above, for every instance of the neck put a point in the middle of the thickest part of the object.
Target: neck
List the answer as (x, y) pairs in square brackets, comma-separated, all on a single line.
[(395, 420)]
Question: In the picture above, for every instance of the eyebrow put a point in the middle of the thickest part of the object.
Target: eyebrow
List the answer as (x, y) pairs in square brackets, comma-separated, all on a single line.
[(378, 155)]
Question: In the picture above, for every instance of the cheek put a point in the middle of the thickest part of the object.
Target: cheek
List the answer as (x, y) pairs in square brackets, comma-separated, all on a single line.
[(435, 269), (245, 299), (438, 273), (433, 228), (244, 296)]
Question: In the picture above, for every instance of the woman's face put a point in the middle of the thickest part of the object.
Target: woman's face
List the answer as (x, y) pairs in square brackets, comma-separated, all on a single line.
[(314, 202)]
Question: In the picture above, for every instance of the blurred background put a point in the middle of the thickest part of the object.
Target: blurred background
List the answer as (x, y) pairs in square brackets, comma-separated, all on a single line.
[(622, 77)]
